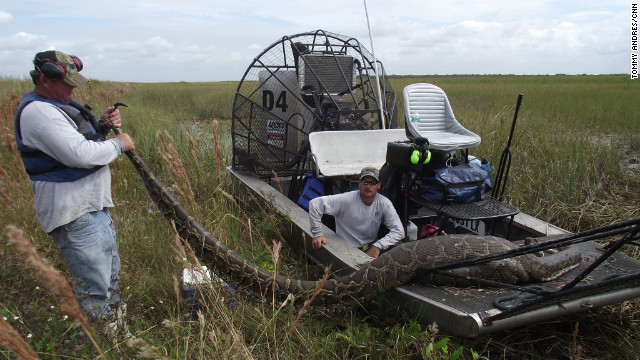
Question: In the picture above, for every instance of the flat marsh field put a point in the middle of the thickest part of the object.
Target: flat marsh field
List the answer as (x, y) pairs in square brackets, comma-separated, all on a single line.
[(575, 163)]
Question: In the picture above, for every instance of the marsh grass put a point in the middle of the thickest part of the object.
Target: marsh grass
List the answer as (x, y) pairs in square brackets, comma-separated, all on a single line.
[(565, 170), (52, 280)]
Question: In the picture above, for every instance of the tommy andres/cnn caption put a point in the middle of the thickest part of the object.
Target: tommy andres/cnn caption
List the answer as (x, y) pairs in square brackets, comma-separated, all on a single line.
[(634, 41)]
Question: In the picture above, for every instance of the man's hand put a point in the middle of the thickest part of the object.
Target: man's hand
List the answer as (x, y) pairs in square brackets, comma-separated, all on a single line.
[(111, 116), (374, 252), (317, 242), (126, 141)]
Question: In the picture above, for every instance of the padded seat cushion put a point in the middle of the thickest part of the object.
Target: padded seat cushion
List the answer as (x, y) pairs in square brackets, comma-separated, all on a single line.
[(428, 114)]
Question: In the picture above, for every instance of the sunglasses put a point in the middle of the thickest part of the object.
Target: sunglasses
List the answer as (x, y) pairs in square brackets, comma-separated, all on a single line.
[(372, 182)]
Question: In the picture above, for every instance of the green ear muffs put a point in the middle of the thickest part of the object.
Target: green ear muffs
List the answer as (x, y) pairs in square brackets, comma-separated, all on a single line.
[(428, 157), (416, 158)]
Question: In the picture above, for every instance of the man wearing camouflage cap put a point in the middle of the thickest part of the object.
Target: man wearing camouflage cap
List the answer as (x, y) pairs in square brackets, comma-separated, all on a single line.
[(358, 216), (66, 154)]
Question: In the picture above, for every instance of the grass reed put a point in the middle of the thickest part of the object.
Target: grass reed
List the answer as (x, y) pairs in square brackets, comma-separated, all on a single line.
[(52, 280), (11, 339)]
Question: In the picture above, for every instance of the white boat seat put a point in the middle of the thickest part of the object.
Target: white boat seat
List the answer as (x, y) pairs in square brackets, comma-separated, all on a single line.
[(428, 114), (340, 153)]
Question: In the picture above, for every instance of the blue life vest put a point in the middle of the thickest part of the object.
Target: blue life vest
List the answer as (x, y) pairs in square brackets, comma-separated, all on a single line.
[(39, 165)]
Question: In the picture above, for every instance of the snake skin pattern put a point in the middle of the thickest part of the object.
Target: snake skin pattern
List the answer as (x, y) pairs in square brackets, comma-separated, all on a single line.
[(404, 263)]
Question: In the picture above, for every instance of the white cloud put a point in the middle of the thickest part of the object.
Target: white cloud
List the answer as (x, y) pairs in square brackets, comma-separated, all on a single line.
[(21, 40), (5, 17), (159, 42), (198, 40)]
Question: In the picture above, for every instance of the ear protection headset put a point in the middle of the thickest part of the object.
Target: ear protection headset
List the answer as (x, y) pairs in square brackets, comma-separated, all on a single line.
[(53, 70), (420, 153)]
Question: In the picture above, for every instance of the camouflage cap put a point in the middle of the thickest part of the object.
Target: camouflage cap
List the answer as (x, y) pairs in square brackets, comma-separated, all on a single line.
[(370, 171), (60, 66)]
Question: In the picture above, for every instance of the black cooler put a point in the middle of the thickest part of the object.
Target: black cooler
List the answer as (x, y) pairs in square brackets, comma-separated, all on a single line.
[(399, 154)]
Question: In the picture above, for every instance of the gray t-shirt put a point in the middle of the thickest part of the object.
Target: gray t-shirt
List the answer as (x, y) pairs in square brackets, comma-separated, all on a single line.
[(356, 222), (44, 127)]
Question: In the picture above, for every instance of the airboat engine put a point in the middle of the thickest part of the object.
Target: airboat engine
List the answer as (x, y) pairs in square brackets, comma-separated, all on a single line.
[(316, 81)]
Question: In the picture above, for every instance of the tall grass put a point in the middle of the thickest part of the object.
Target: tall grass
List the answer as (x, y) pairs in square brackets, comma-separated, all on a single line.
[(565, 157)]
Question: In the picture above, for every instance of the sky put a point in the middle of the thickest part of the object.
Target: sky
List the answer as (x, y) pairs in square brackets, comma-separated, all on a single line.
[(216, 40)]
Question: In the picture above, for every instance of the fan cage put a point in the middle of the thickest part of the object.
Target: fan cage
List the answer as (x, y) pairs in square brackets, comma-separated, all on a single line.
[(315, 81)]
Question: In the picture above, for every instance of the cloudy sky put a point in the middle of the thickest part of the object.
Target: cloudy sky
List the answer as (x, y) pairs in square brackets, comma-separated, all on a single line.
[(215, 40)]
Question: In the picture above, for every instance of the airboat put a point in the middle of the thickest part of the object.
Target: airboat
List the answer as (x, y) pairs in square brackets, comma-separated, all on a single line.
[(313, 108)]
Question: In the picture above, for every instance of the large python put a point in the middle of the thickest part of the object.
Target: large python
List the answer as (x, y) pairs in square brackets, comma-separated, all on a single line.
[(402, 264)]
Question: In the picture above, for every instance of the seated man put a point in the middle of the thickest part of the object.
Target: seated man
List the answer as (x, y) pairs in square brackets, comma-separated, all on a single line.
[(358, 216)]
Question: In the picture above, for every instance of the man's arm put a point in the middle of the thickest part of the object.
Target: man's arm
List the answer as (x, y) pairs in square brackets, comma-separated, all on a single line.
[(316, 210), (392, 221), (329, 205), (58, 138)]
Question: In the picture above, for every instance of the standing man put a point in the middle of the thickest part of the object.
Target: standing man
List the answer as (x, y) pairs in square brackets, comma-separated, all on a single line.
[(358, 216), (67, 158)]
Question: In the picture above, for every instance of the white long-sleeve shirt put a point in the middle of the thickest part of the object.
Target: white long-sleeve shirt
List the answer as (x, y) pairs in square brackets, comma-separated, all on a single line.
[(44, 127), (356, 222)]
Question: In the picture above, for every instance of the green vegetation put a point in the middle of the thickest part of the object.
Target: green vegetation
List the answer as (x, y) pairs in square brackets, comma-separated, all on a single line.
[(572, 136)]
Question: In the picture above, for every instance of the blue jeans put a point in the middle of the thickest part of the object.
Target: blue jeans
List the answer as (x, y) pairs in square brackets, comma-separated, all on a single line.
[(88, 245)]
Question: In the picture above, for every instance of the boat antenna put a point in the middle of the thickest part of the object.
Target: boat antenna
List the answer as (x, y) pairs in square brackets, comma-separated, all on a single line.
[(505, 160), (375, 64)]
